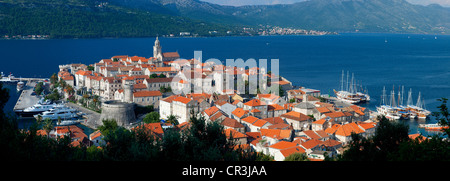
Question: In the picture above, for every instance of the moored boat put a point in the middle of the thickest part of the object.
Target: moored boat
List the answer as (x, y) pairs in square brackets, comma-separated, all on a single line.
[(349, 92), (67, 123), (20, 86), (65, 113), (36, 109), (433, 127), (7, 79)]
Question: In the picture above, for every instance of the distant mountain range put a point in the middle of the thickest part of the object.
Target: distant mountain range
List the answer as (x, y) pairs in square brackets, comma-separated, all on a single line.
[(131, 18), (387, 16)]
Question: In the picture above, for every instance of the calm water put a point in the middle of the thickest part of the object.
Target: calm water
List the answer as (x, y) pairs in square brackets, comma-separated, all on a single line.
[(420, 62)]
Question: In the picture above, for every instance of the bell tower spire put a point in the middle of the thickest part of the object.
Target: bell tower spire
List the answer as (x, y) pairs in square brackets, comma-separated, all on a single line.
[(157, 53)]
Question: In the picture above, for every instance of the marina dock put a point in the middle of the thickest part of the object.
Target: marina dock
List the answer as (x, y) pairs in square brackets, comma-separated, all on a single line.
[(26, 99)]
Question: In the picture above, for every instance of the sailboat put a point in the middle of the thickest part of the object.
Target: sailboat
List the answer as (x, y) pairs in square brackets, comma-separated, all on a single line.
[(350, 93), (389, 111), (418, 110)]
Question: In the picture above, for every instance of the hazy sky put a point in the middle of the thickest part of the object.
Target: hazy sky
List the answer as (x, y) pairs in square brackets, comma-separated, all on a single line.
[(265, 2)]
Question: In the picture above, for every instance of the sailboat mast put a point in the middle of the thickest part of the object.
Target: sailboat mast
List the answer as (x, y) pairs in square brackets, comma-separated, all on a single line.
[(342, 81), (347, 82), (392, 102), (352, 87), (409, 102), (419, 101), (403, 91)]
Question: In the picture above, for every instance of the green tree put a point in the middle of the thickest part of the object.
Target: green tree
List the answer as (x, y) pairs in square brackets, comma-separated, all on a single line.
[(172, 119), (152, 117), (296, 157), (39, 88), (424, 149), (383, 146), (47, 126), (119, 142), (54, 78), (434, 148), (281, 91), (152, 76), (443, 115), (55, 96), (109, 125)]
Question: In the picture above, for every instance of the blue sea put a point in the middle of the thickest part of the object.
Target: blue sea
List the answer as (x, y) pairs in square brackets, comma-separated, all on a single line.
[(419, 62)]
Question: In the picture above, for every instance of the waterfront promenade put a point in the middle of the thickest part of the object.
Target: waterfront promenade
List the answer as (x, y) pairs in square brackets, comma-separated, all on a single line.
[(26, 99), (90, 119)]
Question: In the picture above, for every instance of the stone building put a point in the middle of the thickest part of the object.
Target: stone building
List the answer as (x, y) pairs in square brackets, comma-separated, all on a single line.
[(121, 112)]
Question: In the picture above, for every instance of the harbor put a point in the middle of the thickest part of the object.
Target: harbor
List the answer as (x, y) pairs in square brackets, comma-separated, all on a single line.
[(26, 99)]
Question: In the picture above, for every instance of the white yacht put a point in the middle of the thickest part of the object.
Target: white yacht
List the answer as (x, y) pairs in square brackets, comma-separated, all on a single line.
[(20, 86), (44, 101), (67, 123), (63, 113), (37, 108)]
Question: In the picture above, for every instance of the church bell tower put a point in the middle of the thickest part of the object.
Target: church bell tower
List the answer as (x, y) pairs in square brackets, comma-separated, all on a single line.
[(157, 53)]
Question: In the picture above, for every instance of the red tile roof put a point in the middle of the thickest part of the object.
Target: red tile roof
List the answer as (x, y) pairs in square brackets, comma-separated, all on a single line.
[(250, 119), (276, 133), (147, 94), (275, 107), (296, 116), (210, 111), (235, 134), (311, 143), (239, 112), (183, 100), (229, 122), (348, 129), (171, 55), (170, 98), (290, 151), (254, 102), (274, 120), (283, 145), (83, 73), (259, 123)]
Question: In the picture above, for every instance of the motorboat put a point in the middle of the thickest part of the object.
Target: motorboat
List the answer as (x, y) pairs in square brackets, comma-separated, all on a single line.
[(20, 86), (433, 127), (67, 123), (36, 109), (63, 113)]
